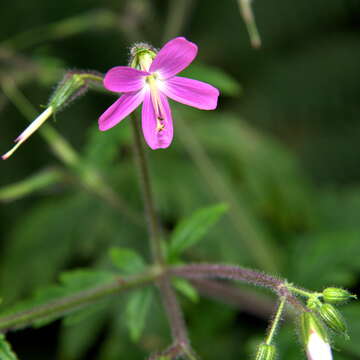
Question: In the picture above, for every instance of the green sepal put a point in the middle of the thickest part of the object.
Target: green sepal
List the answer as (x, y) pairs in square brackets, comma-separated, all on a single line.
[(310, 323)]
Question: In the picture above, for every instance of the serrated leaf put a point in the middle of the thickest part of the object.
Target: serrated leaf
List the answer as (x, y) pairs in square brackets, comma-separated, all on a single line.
[(6, 352), (136, 311), (193, 228), (127, 260), (185, 288), (215, 76)]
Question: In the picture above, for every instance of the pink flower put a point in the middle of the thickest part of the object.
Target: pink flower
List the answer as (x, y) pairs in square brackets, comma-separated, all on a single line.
[(151, 86)]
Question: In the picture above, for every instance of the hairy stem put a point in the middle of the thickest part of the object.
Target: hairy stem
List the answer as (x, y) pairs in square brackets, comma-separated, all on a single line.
[(153, 224), (276, 321), (172, 307), (70, 303), (217, 271)]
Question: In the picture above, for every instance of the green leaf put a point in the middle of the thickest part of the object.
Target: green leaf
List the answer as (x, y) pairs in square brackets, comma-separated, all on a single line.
[(217, 77), (184, 287), (6, 352), (193, 228), (136, 311), (127, 260)]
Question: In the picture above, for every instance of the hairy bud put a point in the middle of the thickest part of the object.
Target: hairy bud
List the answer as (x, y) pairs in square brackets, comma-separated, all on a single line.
[(336, 295)]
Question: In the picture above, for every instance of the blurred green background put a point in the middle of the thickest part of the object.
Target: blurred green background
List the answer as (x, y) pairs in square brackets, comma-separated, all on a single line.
[(281, 150)]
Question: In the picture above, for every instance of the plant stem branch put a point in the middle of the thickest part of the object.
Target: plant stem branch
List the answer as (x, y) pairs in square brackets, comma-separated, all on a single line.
[(172, 307), (218, 271), (153, 224), (74, 302), (249, 19), (276, 321)]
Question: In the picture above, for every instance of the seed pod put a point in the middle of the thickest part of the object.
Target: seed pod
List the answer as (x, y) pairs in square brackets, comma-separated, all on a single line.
[(336, 295), (333, 318)]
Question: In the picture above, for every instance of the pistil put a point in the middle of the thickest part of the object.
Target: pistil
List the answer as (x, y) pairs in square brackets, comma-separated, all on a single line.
[(157, 104)]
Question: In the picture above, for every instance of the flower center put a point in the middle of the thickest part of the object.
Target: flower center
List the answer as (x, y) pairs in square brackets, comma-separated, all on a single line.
[(156, 101)]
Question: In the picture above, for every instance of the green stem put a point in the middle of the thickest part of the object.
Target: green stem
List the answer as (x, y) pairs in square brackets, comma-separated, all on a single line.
[(276, 321), (299, 291), (74, 302), (172, 307), (249, 19), (153, 224)]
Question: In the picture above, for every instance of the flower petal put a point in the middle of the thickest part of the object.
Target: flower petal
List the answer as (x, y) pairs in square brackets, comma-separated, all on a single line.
[(191, 92), (173, 57), (124, 79), (156, 139), (121, 108)]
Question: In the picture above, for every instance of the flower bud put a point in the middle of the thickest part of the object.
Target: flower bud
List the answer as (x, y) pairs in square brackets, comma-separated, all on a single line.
[(336, 295), (314, 337), (333, 318), (265, 352)]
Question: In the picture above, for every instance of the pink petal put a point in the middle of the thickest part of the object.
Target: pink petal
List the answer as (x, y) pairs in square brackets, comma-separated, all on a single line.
[(154, 138), (173, 57), (191, 92), (124, 79), (121, 108)]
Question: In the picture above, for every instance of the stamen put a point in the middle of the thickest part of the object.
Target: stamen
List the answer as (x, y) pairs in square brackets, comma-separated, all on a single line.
[(156, 101)]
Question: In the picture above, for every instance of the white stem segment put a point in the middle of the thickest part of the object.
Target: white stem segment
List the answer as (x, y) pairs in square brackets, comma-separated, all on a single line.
[(29, 131)]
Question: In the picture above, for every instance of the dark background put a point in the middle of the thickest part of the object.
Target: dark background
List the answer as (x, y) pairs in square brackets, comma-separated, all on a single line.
[(284, 141)]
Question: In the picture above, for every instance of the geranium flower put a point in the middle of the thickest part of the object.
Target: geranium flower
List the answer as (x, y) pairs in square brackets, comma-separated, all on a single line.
[(152, 85)]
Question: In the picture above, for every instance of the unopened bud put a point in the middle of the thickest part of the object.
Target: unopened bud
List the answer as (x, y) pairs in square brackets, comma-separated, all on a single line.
[(336, 295), (333, 318), (314, 337), (265, 352)]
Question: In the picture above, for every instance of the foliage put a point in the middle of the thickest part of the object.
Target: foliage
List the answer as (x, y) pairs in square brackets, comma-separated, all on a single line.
[(275, 166)]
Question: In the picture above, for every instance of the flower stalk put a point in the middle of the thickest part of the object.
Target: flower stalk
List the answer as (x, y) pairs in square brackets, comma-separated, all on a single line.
[(172, 307), (276, 321)]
